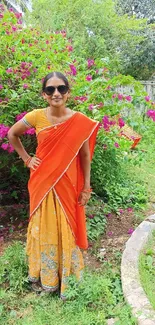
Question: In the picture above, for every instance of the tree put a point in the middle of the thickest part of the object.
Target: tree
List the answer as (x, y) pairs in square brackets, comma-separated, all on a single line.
[(94, 27), (142, 9), (142, 65)]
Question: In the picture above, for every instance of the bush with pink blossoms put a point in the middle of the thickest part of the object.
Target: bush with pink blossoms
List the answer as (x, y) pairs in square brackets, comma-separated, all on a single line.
[(151, 113), (28, 55)]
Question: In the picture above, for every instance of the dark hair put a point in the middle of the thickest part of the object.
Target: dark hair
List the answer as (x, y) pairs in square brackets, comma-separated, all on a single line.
[(55, 74)]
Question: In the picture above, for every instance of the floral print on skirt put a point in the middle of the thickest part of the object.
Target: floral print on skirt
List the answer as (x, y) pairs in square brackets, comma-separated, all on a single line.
[(52, 253)]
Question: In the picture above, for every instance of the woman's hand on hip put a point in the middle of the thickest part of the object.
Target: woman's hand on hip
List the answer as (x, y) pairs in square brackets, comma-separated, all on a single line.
[(83, 198), (34, 163)]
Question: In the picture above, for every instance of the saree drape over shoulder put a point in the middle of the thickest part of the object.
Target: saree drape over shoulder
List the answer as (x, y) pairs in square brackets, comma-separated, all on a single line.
[(57, 228)]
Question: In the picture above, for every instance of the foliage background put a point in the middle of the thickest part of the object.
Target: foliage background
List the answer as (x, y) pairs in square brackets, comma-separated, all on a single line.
[(28, 55), (105, 28)]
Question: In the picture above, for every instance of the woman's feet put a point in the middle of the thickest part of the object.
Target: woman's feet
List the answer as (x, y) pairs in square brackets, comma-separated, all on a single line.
[(36, 287)]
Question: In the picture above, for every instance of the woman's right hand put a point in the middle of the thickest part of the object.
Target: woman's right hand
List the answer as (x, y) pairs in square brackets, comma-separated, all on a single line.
[(34, 163)]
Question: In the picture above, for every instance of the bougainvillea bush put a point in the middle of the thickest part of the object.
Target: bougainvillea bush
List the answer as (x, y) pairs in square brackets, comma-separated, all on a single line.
[(27, 56)]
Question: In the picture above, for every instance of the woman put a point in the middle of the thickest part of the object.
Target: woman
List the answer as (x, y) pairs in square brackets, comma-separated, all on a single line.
[(59, 185)]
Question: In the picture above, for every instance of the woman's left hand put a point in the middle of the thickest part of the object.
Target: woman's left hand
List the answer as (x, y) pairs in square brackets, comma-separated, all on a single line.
[(84, 198)]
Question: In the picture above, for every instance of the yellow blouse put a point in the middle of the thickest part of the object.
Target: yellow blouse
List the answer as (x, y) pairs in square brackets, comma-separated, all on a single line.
[(37, 119)]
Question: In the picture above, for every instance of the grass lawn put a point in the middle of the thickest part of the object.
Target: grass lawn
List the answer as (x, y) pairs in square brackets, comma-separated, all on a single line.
[(147, 269), (98, 297)]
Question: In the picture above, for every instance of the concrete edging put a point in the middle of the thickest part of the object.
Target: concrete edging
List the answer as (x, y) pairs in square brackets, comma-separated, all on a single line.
[(132, 288)]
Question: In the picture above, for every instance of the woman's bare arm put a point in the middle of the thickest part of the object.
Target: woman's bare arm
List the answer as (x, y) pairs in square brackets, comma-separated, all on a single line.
[(13, 135), (85, 163)]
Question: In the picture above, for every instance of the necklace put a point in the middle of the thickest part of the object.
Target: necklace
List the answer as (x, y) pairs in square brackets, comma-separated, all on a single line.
[(54, 121)]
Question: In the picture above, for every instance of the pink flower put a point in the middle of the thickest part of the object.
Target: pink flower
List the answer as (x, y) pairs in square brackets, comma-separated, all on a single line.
[(23, 65), (23, 76), (90, 245), (14, 28), (28, 73), (30, 45), (121, 123), (130, 231), (30, 131), (121, 211), (1, 16), (73, 69), (35, 70), (110, 233), (3, 131), (11, 10), (63, 33), (128, 98), (1, 86), (25, 86), (114, 96), (19, 116), (108, 88), (1, 239), (116, 145), (47, 42), (81, 98), (13, 49), (5, 146), (97, 71), (120, 96), (147, 98), (10, 148), (106, 122), (9, 70), (129, 210), (91, 216), (89, 78), (151, 113), (91, 107), (100, 105), (70, 48), (112, 123), (108, 215), (2, 7), (105, 146), (18, 15), (90, 63), (19, 22)]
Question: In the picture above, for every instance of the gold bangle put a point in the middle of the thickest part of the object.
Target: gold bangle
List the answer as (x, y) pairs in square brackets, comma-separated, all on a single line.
[(87, 190), (26, 163)]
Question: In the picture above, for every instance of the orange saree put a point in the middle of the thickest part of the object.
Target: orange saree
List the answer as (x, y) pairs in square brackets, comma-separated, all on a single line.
[(56, 184)]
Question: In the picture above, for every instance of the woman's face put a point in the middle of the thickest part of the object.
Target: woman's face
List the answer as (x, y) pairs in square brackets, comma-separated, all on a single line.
[(56, 99)]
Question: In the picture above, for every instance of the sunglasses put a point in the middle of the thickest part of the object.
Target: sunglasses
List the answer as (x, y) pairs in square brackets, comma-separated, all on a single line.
[(62, 89)]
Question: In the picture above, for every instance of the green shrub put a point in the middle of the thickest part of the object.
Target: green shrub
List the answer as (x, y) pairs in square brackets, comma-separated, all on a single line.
[(13, 268), (28, 55)]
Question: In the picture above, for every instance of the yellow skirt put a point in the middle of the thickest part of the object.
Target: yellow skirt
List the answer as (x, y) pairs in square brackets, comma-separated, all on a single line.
[(52, 253)]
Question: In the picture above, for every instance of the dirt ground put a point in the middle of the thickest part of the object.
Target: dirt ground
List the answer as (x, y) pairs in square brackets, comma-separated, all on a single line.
[(111, 244)]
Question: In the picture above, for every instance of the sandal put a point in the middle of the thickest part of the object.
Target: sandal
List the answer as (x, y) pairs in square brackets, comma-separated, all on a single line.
[(36, 287)]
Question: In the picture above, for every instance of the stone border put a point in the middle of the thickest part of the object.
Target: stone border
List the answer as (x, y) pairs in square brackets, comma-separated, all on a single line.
[(133, 291)]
